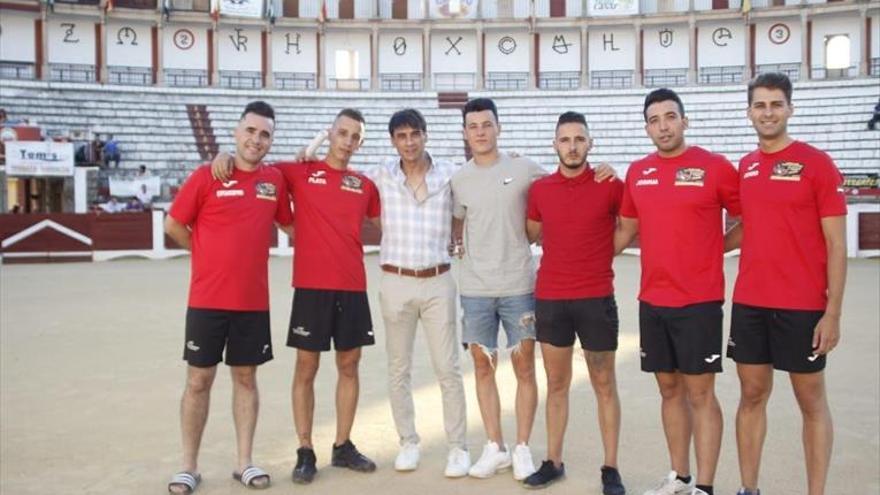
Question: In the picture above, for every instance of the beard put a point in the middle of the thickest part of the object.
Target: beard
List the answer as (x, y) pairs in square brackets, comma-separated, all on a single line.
[(571, 163)]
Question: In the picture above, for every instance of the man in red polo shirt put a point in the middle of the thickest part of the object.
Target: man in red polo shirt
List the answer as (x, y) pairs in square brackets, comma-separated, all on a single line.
[(674, 199), (330, 300), (228, 227), (788, 295), (576, 217)]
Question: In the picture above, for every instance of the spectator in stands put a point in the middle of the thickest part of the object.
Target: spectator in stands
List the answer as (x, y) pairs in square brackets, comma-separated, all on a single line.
[(792, 271), (575, 293), (418, 286), (113, 206), (674, 199), (875, 118), (142, 171), (134, 204), (229, 229), (144, 196), (15, 209), (110, 152), (330, 298)]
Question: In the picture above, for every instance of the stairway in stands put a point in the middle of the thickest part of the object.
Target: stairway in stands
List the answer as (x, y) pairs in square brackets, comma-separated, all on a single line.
[(200, 122), (455, 100)]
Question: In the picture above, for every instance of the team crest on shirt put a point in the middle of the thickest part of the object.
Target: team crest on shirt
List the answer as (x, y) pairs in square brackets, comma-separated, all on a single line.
[(318, 177), (690, 176), (266, 190), (352, 183), (790, 171)]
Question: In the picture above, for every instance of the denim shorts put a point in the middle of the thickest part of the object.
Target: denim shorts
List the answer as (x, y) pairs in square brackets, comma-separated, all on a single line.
[(483, 314)]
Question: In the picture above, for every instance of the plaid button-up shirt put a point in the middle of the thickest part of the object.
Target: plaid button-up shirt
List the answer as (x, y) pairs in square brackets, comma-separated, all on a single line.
[(415, 234)]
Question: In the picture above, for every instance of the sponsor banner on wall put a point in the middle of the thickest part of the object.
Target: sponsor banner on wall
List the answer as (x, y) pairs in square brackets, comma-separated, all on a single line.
[(39, 158), (597, 8), (131, 187), (241, 8)]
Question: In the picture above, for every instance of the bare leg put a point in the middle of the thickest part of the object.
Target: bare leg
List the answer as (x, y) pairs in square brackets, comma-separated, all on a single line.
[(557, 364), (756, 383), (707, 424), (676, 420), (604, 381), (303, 394), (194, 415), (347, 391), (487, 392), (523, 360), (818, 431)]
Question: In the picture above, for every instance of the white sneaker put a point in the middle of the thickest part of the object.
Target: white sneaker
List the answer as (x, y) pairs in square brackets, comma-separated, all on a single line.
[(671, 485), (697, 491), (523, 466), (458, 463), (492, 460), (408, 458)]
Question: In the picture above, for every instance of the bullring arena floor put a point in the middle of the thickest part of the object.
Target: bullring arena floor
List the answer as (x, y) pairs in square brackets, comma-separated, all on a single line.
[(92, 377)]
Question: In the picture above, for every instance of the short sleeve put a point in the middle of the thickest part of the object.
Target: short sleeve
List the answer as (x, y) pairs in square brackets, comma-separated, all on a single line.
[(627, 205), (728, 187), (533, 213), (374, 208), (190, 197), (617, 188), (535, 171), (458, 208), (828, 189)]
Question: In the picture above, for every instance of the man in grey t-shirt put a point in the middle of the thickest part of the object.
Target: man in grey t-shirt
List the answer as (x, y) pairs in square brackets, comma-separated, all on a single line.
[(496, 281)]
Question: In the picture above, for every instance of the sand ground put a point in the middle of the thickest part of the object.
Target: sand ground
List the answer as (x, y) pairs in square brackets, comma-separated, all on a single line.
[(91, 377)]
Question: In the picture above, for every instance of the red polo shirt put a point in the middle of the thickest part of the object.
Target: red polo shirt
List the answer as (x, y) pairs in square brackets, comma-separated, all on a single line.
[(785, 195), (232, 225), (329, 210), (578, 217), (678, 203)]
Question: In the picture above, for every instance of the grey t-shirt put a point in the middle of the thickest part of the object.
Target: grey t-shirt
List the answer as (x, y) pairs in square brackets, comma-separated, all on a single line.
[(492, 201)]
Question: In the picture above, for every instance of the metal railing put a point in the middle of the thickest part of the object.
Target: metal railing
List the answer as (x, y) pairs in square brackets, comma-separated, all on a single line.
[(72, 72), (721, 75), (130, 76), (874, 67), (825, 73), (191, 78), (611, 79), (241, 79), (400, 82), (665, 77), (15, 70), (295, 80), (349, 84), (793, 71), (507, 80), (559, 80), (454, 81)]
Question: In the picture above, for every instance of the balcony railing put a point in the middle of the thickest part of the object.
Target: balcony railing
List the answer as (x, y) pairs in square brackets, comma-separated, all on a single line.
[(16, 70), (190, 78), (793, 71), (130, 76), (611, 79), (400, 82), (721, 75), (295, 80), (507, 80), (655, 78), (72, 72), (454, 81), (349, 84), (559, 80), (241, 79)]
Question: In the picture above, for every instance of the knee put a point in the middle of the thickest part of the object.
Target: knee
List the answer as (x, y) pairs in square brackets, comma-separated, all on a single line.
[(305, 370), (671, 391), (484, 362), (701, 397), (812, 401), (348, 368), (199, 384), (245, 380), (558, 384), (753, 395), (603, 384)]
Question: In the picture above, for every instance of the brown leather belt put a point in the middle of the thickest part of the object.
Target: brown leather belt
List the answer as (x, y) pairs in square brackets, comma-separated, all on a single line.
[(426, 273)]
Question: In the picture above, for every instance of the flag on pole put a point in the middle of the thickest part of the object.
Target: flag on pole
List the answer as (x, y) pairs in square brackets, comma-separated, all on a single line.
[(322, 14), (215, 10), (108, 7), (746, 6)]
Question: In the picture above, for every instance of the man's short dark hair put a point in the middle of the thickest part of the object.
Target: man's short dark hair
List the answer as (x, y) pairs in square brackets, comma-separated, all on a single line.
[(260, 108), (659, 95), (478, 105), (771, 80), (352, 114), (572, 118), (408, 117)]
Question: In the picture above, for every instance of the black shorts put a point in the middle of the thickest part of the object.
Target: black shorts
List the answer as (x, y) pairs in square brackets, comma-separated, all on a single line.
[(318, 315), (781, 337), (686, 339), (593, 320), (245, 335)]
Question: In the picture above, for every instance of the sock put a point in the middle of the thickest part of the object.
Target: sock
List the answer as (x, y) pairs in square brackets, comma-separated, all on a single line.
[(707, 488), (684, 479)]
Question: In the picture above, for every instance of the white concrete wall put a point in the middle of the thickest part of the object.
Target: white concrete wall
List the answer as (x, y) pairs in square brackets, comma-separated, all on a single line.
[(400, 52), (832, 25), (612, 48), (439, 9), (721, 43), (875, 36), (71, 40), (185, 47), (666, 47), (17, 37), (240, 48), (786, 45), (446, 59), (128, 44), (566, 56), (294, 50), (507, 51)]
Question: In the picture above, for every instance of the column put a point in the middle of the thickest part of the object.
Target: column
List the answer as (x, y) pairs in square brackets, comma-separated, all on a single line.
[(585, 56), (426, 58), (692, 49), (374, 58), (806, 70)]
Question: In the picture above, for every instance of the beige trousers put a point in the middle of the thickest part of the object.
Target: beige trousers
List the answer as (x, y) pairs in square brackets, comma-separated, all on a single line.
[(406, 301)]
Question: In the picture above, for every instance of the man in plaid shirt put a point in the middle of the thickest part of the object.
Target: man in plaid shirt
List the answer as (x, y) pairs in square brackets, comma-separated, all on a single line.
[(417, 286)]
